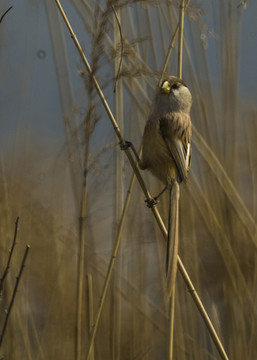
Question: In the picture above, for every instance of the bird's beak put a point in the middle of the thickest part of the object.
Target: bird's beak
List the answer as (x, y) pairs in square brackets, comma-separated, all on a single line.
[(165, 87)]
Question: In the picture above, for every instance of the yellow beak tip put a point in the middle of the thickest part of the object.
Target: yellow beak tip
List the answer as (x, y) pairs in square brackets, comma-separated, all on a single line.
[(165, 90), (166, 87)]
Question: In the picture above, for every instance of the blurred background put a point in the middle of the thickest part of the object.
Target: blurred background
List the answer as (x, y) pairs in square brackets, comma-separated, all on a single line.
[(63, 174)]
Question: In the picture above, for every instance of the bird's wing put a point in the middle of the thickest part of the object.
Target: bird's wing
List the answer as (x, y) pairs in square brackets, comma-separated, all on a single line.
[(175, 128)]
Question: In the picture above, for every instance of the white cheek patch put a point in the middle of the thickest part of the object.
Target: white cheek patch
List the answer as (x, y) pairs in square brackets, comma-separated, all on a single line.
[(176, 92), (183, 90), (180, 91)]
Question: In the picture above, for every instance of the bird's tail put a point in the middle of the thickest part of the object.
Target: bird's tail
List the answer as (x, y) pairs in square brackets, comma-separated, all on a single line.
[(172, 238)]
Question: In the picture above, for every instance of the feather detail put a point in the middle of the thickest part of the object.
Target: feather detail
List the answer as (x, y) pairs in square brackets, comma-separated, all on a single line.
[(175, 129)]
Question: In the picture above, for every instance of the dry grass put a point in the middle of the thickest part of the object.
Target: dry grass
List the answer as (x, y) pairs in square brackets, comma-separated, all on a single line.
[(217, 212)]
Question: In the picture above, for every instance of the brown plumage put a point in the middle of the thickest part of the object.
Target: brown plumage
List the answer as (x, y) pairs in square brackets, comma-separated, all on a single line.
[(167, 154)]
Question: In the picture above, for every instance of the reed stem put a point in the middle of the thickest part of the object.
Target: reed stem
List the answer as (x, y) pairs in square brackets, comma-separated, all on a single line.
[(110, 268), (181, 31)]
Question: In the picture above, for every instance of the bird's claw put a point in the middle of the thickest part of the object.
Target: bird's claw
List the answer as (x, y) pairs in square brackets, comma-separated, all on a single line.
[(128, 144), (151, 202), (125, 145)]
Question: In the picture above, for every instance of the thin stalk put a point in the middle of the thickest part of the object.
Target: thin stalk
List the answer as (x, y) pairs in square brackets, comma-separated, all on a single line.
[(118, 68), (90, 310), (5, 13), (115, 332), (81, 259), (14, 294), (172, 255), (160, 317), (111, 267), (155, 211), (171, 317), (180, 44), (171, 46), (10, 255), (172, 300)]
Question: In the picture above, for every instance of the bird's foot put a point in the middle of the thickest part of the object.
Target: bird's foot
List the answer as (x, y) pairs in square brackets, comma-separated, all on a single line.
[(129, 144), (151, 202), (125, 145)]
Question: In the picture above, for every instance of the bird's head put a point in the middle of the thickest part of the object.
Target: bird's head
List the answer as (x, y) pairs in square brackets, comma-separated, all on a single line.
[(175, 93)]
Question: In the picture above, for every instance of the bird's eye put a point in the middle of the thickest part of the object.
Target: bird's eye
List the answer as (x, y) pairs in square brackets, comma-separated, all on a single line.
[(175, 86)]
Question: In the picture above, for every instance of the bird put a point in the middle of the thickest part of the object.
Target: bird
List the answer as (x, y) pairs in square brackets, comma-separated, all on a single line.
[(166, 153)]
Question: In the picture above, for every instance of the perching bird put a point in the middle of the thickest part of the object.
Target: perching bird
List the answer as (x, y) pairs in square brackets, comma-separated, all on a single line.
[(167, 154)]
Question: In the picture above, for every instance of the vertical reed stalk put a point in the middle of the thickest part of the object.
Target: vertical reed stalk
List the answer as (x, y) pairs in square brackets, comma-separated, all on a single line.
[(111, 267), (180, 44), (119, 189), (171, 46), (171, 327), (81, 253), (90, 310), (180, 58)]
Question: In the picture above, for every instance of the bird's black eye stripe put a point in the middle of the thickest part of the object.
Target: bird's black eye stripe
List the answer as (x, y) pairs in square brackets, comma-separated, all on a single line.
[(175, 86)]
